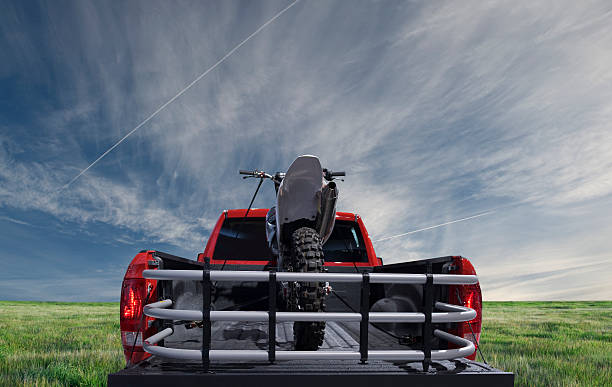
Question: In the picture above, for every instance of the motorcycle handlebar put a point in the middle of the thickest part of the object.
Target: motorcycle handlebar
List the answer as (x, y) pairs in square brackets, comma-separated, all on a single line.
[(329, 175), (255, 173)]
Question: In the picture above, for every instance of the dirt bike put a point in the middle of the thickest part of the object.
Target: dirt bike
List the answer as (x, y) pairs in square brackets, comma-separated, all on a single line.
[(296, 229)]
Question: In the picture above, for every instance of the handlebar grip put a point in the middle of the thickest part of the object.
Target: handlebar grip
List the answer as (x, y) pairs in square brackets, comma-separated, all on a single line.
[(243, 172), (341, 173)]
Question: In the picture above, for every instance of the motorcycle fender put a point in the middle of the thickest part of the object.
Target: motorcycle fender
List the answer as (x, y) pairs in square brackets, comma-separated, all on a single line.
[(299, 195), (327, 217)]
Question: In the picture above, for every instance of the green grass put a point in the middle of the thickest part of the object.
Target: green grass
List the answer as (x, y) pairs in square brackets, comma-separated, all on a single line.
[(52, 343), (544, 343), (550, 343)]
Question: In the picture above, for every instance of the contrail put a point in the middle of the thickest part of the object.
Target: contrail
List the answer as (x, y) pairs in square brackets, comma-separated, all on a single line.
[(436, 226), (181, 92)]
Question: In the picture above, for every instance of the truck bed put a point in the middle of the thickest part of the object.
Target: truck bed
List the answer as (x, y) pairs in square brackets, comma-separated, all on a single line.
[(338, 336)]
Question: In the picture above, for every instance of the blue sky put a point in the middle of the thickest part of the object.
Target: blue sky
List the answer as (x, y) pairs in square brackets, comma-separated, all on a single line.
[(437, 111)]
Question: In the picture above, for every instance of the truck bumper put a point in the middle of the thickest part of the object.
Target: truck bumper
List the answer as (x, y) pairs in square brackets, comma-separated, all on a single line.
[(460, 372)]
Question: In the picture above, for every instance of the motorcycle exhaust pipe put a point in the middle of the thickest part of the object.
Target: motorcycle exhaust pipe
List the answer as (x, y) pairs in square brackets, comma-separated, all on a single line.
[(327, 216)]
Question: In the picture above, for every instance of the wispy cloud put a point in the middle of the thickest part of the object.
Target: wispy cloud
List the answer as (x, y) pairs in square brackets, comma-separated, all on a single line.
[(16, 221), (31, 186), (438, 111)]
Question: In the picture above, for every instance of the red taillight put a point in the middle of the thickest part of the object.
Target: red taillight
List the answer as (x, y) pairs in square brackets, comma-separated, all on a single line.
[(471, 297), (136, 292), (132, 305), (133, 295)]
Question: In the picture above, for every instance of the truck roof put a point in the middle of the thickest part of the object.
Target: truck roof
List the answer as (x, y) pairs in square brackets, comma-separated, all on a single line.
[(261, 212)]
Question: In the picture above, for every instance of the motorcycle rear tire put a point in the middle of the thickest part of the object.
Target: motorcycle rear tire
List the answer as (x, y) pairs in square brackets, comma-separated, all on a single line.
[(308, 257)]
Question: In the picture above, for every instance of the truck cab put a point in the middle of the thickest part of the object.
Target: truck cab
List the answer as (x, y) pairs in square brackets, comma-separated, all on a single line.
[(240, 240)]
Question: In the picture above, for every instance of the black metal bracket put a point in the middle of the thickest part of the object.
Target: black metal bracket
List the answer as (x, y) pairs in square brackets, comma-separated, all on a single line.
[(206, 324), (164, 291), (365, 317), (272, 316), (427, 310)]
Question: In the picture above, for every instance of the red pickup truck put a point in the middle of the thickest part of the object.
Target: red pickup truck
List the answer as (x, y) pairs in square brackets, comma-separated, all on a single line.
[(219, 317)]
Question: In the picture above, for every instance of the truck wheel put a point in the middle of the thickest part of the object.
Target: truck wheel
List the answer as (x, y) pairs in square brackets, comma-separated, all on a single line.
[(308, 257)]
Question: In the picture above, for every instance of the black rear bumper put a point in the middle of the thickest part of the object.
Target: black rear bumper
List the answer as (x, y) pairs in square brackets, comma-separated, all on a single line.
[(460, 372)]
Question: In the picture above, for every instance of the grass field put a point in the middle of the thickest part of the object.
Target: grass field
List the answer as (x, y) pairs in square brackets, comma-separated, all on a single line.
[(49, 343), (550, 343), (544, 343)]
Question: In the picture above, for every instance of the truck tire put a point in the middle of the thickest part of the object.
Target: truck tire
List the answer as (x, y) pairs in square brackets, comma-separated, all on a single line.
[(308, 257)]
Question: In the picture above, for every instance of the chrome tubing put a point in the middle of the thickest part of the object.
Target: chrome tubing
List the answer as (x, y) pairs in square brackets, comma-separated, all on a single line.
[(455, 314), (159, 336), (467, 348), (259, 355), (450, 313), (263, 276)]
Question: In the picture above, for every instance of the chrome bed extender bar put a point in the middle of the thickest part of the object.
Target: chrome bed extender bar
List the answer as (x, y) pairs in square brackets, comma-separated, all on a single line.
[(449, 313)]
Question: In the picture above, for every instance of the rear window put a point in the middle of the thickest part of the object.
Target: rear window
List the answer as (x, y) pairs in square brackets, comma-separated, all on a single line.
[(345, 243), (245, 240)]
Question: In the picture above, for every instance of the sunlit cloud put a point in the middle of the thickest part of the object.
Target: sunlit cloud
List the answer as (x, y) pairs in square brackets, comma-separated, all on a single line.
[(437, 111)]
